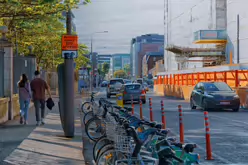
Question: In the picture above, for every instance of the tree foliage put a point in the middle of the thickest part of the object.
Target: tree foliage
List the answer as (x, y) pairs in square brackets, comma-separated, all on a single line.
[(120, 74), (127, 68), (105, 68), (38, 23)]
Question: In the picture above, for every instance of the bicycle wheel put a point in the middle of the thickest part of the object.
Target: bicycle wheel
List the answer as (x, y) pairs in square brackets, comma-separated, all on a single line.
[(104, 148), (86, 107), (109, 157), (89, 115), (95, 129), (99, 143)]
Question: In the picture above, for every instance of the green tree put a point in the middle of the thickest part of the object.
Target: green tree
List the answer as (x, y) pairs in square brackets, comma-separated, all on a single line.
[(120, 74), (38, 23), (105, 68), (127, 68)]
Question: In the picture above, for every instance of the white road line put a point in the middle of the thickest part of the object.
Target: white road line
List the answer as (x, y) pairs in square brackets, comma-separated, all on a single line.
[(7, 161), (218, 117), (224, 118)]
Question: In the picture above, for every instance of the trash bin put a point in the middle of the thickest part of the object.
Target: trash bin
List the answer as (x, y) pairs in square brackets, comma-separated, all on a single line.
[(119, 100)]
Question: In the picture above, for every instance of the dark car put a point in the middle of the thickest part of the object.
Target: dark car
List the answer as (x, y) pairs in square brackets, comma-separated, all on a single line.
[(135, 91), (214, 95), (104, 84)]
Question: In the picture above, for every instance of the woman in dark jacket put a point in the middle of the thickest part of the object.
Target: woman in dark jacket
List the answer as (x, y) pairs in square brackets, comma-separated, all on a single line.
[(24, 98)]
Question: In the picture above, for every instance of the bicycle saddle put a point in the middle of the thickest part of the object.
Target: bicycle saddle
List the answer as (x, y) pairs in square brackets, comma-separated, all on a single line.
[(152, 124), (158, 126), (129, 109), (164, 131), (189, 147)]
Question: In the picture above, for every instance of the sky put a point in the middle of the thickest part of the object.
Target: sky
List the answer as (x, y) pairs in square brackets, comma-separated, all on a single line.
[(123, 19)]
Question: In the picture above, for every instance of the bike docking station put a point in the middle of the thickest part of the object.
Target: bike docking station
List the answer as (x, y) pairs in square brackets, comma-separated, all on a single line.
[(181, 124)]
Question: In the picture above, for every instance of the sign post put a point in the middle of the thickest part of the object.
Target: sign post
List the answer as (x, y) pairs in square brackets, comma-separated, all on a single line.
[(69, 52)]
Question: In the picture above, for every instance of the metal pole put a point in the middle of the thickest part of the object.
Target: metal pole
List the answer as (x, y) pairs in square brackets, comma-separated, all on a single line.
[(91, 57), (69, 86), (16, 43), (238, 38)]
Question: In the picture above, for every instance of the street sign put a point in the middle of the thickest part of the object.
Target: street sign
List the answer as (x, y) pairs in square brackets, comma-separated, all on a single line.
[(69, 42), (69, 54)]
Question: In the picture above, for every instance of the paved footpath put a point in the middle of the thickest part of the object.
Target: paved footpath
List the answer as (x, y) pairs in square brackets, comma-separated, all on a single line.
[(46, 144)]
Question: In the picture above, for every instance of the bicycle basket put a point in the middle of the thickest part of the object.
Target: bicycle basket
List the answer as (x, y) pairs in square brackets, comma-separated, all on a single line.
[(123, 143)]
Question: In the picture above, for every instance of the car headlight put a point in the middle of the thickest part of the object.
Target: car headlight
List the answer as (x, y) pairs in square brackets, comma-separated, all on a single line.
[(210, 96), (236, 96)]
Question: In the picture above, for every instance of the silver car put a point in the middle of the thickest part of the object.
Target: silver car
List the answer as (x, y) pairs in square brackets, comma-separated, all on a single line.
[(114, 86), (135, 91)]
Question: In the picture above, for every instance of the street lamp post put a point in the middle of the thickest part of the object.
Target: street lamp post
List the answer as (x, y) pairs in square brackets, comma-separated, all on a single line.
[(91, 58)]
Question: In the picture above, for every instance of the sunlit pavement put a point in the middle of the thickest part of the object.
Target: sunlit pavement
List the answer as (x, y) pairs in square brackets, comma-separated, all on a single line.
[(229, 130)]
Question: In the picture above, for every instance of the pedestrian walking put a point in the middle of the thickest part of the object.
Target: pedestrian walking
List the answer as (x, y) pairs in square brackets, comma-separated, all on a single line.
[(39, 88), (24, 91)]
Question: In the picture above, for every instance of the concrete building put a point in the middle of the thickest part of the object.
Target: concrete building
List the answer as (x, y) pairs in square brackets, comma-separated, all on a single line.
[(237, 51), (118, 62), (140, 45), (186, 22), (149, 62), (102, 58)]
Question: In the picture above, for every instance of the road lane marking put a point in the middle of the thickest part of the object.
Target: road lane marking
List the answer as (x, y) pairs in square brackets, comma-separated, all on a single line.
[(198, 146), (224, 118), (204, 150)]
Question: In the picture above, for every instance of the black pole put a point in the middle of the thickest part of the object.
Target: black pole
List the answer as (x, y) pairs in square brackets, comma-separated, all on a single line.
[(69, 86), (238, 38)]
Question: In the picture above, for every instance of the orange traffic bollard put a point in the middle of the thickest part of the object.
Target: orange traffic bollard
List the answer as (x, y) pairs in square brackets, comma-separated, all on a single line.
[(181, 127), (208, 142), (141, 111), (150, 109), (132, 104), (163, 115)]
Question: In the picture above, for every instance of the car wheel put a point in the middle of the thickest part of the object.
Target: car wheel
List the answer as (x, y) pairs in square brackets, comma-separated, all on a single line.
[(143, 101), (204, 105), (108, 96), (192, 106), (236, 109)]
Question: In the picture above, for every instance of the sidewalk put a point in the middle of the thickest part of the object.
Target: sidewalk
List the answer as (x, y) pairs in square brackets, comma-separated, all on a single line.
[(12, 134), (46, 144)]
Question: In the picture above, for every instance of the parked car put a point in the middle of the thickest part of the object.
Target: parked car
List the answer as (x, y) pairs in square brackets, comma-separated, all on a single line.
[(214, 95), (134, 90), (104, 84), (114, 86)]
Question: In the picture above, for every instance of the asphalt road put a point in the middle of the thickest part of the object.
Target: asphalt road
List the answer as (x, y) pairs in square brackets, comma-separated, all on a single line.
[(228, 129)]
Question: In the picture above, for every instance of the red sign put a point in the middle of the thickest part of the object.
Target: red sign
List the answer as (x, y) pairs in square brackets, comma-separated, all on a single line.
[(70, 42)]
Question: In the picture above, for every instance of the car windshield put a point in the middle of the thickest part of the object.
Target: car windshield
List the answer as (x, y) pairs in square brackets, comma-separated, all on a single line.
[(128, 81), (139, 81), (133, 87), (112, 82), (218, 86)]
